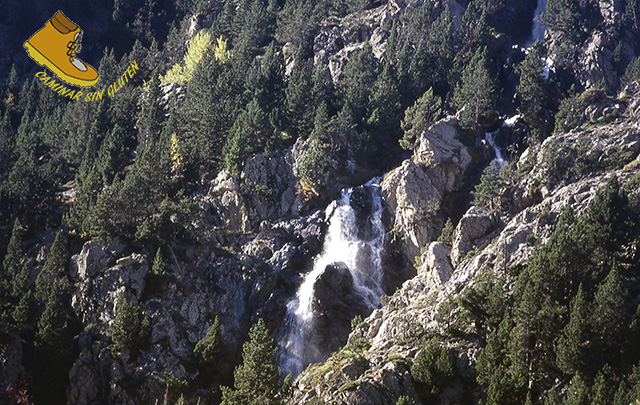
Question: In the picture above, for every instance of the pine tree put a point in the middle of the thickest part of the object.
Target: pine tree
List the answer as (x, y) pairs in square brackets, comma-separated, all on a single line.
[(256, 381), (607, 317), (12, 262), (130, 328), (603, 390), (419, 117), (251, 133), (571, 351), (384, 107), (54, 269), (51, 336), (113, 154), (532, 90), (207, 349), (475, 91), (157, 269), (298, 92), (563, 16), (356, 81), (432, 367), (578, 392)]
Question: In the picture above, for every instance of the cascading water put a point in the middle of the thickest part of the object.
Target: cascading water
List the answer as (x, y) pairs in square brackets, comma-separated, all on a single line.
[(499, 159), (350, 243), (539, 27)]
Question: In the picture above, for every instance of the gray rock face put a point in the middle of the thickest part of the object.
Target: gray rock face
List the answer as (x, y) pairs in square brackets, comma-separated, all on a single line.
[(436, 264), (97, 294), (594, 62), (227, 203), (611, 10), (264, 190), (473, 232), (413, 191)]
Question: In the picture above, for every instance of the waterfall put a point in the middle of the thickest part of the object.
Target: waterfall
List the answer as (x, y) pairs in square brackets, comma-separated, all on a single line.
[(356, 243), (499, 159), (539, 27)]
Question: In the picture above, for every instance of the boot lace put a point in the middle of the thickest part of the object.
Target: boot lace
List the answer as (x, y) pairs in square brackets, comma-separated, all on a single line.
[(73, 47)]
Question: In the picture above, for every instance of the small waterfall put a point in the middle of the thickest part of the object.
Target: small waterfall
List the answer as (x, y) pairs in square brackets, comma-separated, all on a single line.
[(499, 159), (539, 27), (350, 241)]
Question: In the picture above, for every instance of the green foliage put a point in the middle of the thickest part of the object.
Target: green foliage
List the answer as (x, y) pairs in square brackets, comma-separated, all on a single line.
[(492, 182), (632, 72), (417, 118), (207, 349), (256, 381), (130, 328), (578, 392), (448, 232), (570, 114), (405, 400), (54, 269), (299, 88), (533, 90), (432, 367), (475, 91), (158, 269), (571, 348), (52, 333)]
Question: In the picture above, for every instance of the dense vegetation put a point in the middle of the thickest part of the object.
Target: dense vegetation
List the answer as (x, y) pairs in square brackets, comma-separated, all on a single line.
[(134, 160)]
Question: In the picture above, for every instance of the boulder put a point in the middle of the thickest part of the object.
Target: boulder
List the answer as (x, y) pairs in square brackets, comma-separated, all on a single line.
[(88, 262), (225, 200), (471, 231), (413, 192), (335, 305), (96, 297), (436, 264), (594, 62)]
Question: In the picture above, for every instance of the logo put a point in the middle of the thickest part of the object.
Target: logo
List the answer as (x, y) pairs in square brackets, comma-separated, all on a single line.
[(56, 46)]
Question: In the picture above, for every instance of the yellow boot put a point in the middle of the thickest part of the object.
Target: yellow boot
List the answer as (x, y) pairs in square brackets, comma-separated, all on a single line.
[(56, 46)]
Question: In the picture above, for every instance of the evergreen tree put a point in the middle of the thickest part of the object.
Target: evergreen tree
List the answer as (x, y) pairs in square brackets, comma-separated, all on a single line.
[(603, 390), (356, 81), (207, 349), (12, 262), (432, 367), (113, 154), (384, 107), (130, 328), (251, 133), (475, 91), (563, 16), (607, 317), (256, 381), (298, 92), (571, 351), (51, 336), (532, 90), (419, 117), (54, 269), (578, 392), (89, 186), (158, 269)]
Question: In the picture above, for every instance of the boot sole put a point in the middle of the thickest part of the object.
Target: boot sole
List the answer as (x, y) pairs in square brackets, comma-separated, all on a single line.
[(42, 60)]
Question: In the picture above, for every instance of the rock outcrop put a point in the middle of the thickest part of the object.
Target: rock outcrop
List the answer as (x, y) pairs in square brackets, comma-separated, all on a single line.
[(390, 338), (414, 191)]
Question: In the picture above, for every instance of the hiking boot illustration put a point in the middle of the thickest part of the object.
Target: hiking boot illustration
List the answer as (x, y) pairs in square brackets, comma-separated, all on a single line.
[(56, 46)]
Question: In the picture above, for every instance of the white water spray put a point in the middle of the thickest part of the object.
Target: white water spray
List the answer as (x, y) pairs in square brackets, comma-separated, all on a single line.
[(539, 27), (362, 257), (499, 159)]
